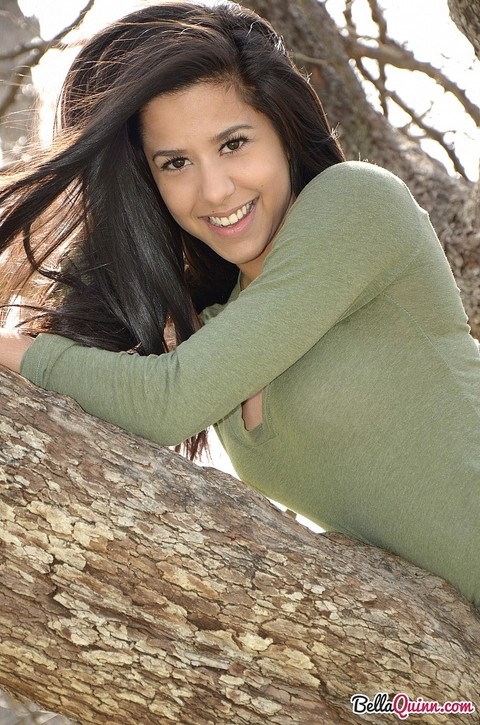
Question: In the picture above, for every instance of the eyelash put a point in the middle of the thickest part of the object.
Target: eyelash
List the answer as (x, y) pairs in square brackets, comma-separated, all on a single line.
[(241, 139), (167, 166)]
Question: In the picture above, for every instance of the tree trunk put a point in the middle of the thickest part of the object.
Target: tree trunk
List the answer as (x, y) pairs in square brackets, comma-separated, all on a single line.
[(466, 16), (139, 588), (16, 128), (453, 203)]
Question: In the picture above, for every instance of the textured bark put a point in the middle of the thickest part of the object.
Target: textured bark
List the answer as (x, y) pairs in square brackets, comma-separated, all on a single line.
[(466, 16), (453, 203), (139, 588)]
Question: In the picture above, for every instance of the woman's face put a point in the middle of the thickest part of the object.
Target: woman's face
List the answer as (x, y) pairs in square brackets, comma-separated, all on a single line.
[(221, 169)]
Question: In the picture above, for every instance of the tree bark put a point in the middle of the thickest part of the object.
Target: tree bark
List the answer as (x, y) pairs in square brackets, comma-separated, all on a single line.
[(452, 202), (466, 16), (140, 588)]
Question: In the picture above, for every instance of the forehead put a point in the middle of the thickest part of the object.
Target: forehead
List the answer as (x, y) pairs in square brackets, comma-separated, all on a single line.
[(204, 109)]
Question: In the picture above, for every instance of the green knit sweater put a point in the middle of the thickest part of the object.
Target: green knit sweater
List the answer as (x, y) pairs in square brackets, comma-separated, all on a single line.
[(356, 334)]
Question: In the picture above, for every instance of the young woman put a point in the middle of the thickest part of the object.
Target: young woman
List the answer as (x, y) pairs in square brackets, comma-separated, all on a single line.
[(195, 187)]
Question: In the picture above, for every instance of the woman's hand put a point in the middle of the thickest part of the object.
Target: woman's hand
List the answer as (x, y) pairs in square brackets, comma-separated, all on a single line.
[(13, 346)]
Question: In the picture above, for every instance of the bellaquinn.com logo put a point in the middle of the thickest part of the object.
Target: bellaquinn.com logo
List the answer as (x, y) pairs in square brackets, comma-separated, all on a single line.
[(402, 706)]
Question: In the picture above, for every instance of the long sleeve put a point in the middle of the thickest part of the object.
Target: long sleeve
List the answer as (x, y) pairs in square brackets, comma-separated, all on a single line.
[(348, 235)]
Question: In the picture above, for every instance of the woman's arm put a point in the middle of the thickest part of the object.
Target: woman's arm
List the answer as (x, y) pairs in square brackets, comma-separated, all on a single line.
[(351, 232), (13, 347)]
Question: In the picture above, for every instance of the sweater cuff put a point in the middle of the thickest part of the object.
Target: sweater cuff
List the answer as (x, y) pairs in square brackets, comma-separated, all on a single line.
[(41, 357)]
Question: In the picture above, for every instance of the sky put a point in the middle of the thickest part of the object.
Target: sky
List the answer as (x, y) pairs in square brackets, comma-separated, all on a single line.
[(423, 26)]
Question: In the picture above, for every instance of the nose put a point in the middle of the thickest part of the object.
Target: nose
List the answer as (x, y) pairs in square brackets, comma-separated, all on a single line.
[(215, 184)]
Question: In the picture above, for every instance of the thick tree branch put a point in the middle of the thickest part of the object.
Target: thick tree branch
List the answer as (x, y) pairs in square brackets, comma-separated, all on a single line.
[(138, 588)]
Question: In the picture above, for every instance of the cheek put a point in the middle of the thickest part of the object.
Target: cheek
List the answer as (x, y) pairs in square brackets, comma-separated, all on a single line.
[(176, 196), (163, 188), (276, 175), (178, 206), (170, 199)]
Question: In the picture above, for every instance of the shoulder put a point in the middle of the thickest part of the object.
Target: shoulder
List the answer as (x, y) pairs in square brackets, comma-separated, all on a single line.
[(356, 195), (358, 178), (353, 209)]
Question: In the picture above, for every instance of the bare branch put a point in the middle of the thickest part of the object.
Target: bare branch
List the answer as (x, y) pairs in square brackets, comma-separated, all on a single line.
[(385, 43), (378, 18), (308, 59), (41, 45), (394, 54), (348, 15), (417, 119), (22, 48), (36, 49), (74, 24), (352, 29)]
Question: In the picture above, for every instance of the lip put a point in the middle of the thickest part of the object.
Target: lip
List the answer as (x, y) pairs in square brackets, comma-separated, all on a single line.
[(238, 228)]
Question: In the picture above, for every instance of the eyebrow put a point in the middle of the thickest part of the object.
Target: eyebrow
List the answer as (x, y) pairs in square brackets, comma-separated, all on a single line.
[(219, 137)]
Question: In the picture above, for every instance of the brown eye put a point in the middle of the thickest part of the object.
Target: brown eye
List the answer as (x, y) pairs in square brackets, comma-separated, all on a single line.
[(234, 144), (175, 164)]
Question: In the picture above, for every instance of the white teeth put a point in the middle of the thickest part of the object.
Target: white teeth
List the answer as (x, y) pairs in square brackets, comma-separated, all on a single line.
[(223, 221)]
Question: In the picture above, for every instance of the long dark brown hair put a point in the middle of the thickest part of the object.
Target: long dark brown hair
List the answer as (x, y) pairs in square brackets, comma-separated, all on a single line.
[(88, 243)]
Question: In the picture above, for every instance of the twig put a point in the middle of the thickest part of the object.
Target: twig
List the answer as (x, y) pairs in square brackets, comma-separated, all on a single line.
[(310, 60), (378, 18)]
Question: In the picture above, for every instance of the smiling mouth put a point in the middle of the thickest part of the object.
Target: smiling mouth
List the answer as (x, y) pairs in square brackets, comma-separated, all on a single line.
[(224, 221)]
